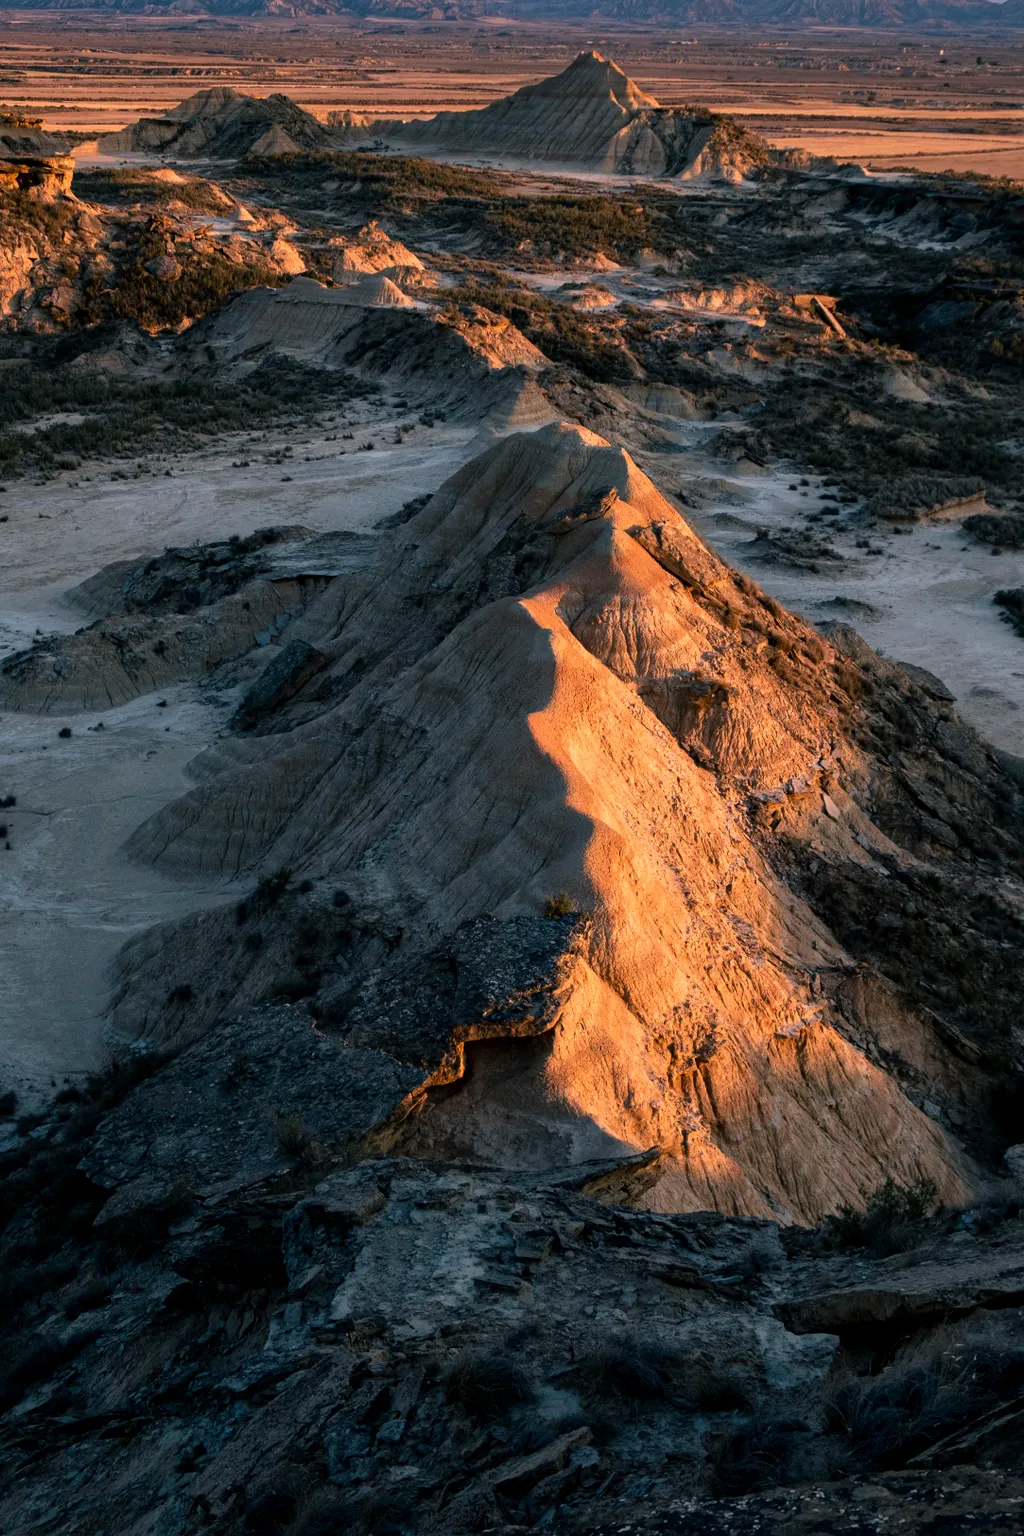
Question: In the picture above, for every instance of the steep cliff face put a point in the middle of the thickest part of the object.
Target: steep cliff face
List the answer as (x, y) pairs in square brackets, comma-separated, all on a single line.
[(33, 161), (547, 695), (686, 144)]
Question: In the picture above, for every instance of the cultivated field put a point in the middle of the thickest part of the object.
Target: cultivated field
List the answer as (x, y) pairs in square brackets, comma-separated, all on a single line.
[(932, 103)]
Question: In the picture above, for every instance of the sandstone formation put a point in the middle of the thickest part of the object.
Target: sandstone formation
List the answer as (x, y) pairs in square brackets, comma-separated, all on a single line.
[(566, 1063), (65, 266), (33, 161), (597, 927), (594, 715), (221, 124), (463, 357), (373, 250), (590, 115)]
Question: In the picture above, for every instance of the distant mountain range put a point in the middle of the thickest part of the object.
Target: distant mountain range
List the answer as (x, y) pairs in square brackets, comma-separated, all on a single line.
[(905, 15), (924, 15)]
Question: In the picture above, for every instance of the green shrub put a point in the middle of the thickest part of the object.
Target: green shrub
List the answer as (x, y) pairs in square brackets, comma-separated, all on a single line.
[(122, 415), (88, 1295), (272, 887), (488, 204), (206, 281), (122, 188), (1011, 600), (560, 332), (630, 1369), (558, 227), (385, 179), (890, 1219), (904, 457)]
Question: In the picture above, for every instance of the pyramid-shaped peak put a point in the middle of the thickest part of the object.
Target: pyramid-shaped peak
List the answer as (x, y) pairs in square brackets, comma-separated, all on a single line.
[(209, 102), (595, 73)]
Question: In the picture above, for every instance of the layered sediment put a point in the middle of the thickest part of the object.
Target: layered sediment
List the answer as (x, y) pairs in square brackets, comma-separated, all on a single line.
[(545, 694)]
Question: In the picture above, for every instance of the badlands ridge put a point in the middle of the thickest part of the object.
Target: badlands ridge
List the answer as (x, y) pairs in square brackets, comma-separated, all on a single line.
[(544, 693), (591, 116), (579, 1084), (583, 893)]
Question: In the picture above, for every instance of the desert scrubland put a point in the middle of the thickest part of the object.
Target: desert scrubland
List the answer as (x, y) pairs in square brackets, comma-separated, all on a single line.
[(511, 777)]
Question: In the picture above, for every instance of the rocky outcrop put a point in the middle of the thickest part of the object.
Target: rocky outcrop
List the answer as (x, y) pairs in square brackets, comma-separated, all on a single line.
[(591, 115), (272, 1328), (238, 1107), (463, 358), (339, 1339), (119, 658), (220, 123), (373, 250), (579, 888), (288, 672), (182, 580), (162, 620), (33, 161), (70, 260), (592, 713)]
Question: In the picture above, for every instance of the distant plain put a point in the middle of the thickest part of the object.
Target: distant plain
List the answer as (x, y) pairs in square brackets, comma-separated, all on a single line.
[(882, 100)]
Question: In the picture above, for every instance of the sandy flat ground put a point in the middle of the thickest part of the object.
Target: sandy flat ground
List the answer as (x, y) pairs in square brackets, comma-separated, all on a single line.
[(62, 532), (926, 600), (68, 897)]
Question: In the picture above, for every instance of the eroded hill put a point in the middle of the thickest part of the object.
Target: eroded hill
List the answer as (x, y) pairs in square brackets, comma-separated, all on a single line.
[(585, 1084), (591, 714), (605, 893), (590, 115)]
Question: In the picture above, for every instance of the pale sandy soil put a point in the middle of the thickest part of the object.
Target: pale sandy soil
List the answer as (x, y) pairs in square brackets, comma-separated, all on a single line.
[(68, 900), (68, 897), (102, 520), (931, 595)]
